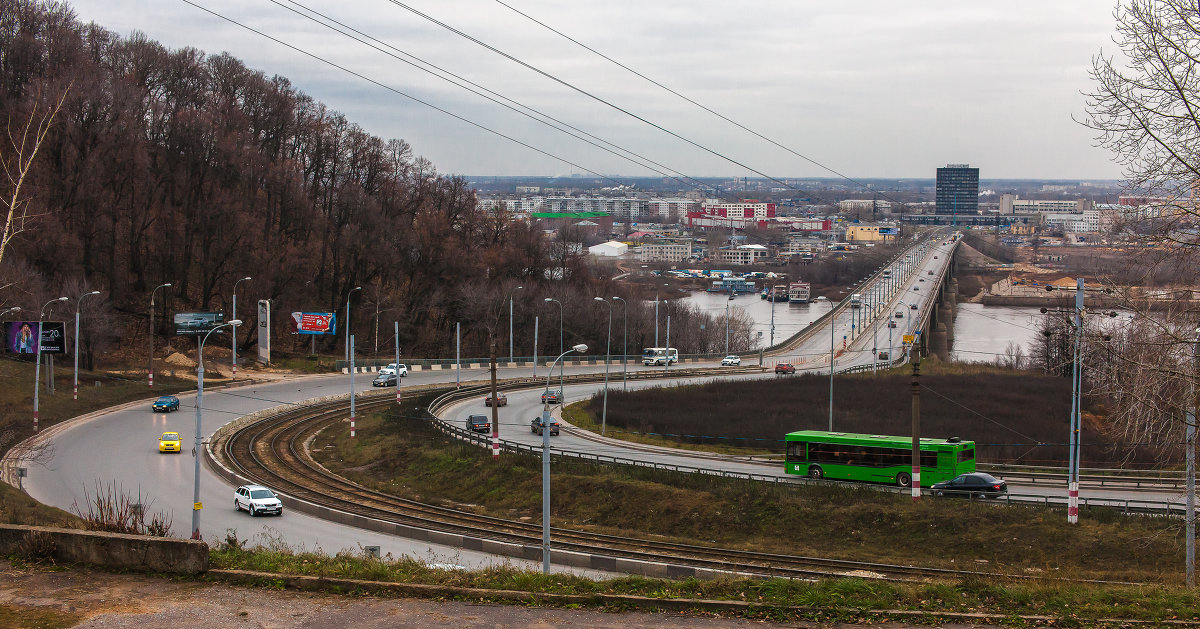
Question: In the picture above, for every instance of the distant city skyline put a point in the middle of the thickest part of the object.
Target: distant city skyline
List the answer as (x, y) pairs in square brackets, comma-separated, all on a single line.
[(875, 90)]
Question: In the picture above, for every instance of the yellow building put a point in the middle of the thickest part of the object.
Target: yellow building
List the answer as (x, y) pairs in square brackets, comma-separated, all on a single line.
[(864, 232)]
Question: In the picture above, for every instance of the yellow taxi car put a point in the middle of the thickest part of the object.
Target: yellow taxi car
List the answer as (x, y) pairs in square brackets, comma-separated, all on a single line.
[(169, 442)]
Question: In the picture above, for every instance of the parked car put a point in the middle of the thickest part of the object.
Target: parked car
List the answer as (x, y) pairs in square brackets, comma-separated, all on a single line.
[(550, 397), (394, 368), (501, 400), (478, 423), (535, 426), (384, 380), (783, 368), (257, 500), (165, 404), (169, 442), (970, 485), (731, 361)]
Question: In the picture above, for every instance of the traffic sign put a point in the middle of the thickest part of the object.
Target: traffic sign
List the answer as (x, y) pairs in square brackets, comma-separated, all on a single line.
[(196, 506), (908, 338)]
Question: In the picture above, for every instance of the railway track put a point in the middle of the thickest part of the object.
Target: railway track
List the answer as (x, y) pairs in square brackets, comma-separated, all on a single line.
[(273, 452)]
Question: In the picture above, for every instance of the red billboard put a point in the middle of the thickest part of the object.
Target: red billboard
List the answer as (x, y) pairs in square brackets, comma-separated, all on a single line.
[(314, 323)]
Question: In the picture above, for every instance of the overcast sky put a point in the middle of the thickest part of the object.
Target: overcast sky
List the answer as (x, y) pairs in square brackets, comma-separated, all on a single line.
[(870, 88)]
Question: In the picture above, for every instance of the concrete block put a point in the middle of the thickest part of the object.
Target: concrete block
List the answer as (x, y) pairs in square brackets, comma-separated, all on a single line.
[(114, 550)]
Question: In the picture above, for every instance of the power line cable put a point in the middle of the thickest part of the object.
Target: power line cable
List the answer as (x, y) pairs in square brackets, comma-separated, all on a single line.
[(596, 98), (400, 93), (735, 123), (491, 95)]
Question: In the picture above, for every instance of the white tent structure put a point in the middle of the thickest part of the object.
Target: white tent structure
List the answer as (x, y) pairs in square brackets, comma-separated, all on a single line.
[(611, 249)]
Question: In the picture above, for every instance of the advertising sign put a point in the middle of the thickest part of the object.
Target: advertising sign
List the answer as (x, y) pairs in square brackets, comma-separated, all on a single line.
[(21, 337), (195, 323), (264, 331), (886, 231), (314, 323)]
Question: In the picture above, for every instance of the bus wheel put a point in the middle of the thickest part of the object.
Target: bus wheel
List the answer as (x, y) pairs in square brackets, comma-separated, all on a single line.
[(815, 471), (904, 479)]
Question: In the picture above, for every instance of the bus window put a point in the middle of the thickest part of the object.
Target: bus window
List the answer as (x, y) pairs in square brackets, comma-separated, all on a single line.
[(966, 454)]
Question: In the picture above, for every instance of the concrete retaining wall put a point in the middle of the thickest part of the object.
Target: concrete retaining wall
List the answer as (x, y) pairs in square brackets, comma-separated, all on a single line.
[(112, 550)]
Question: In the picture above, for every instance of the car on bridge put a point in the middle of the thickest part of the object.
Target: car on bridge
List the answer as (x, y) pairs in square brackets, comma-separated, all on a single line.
[(913, 306), (731, 361), (501, 400), (478, 423), (257, 500), (169, 442), (165, 404), (535, 426), (550, 397), (785, 368), (971, 485)]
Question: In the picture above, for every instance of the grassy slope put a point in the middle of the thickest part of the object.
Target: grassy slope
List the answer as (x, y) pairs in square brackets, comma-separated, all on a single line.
[(16, 421), (1012, 416), (404, 456)]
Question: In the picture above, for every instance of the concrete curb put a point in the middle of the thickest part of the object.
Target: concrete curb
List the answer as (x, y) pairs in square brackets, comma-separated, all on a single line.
[(112, 550)]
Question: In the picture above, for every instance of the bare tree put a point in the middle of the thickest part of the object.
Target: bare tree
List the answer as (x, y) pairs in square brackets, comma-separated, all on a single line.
[(24, 139)]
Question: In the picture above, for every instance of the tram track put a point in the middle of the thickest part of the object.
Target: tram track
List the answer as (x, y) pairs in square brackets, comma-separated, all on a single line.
[(273, 452)]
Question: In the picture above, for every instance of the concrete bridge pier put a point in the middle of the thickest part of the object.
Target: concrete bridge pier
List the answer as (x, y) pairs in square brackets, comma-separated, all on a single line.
[(938, 345)]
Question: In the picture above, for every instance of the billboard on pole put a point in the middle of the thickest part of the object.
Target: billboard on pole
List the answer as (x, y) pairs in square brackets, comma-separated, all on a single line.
[(264, 331), (314, 323), (21, 337), (195, 323)]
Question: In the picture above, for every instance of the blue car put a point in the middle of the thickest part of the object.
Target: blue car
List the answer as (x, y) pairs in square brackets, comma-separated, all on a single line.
[(166, 404)]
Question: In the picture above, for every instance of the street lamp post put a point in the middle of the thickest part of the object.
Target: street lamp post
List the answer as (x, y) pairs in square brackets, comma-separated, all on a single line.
[(656, 289), (581, 348), (78, 305), (37, 370), (625, 348), (560, 342), (510, 324), (348, 320), (234, 335), (1191, 466), (196, 506), (832, 355), (607, 362), (150, 367)]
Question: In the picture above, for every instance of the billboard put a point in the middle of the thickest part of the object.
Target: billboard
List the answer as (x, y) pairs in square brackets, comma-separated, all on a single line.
[(889, 231), (195, 323), (314, 323), (21, 337), (264, 331)]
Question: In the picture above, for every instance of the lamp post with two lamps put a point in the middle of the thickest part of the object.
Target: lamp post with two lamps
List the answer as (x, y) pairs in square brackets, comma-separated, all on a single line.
[(581, 348), (78, 305), (37, 370), (196, 505)]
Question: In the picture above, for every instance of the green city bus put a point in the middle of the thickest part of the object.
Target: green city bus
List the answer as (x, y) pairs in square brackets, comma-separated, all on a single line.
[(876, 458)]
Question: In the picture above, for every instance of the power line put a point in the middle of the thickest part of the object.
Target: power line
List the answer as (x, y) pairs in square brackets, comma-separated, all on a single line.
[(400, 93)]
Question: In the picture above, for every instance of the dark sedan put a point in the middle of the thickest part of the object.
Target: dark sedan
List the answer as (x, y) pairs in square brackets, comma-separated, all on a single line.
[(535, 426), (550, 397), (384, 380), (971, 485)]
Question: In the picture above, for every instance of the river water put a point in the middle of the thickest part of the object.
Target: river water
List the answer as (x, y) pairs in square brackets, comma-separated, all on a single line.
[(981, 333)]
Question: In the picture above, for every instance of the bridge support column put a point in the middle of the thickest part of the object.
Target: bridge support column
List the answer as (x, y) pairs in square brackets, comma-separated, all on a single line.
[(938, 345)]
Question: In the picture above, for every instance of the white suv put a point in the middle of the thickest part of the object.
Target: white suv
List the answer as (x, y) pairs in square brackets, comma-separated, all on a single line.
[(257, 500), (392, 368), (731, 360)]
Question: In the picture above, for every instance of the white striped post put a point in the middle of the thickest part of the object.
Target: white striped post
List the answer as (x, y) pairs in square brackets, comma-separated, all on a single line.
[(350, 350)]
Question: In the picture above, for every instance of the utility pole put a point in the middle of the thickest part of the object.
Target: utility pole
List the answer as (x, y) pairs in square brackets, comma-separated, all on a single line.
[(1073, 456), (495, 408), (1191, 465)]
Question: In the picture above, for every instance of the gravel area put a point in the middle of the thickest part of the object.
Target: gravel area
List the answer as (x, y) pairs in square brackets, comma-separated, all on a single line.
[(107, 600)]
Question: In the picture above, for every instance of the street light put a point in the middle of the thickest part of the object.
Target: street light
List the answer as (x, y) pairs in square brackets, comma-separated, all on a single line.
[(607, 361), (510, 323), (348, 320), (560, 339), (656, 289), (37, 370), (199, 408), (234, 316), (150, 368), (8, 310), (625, 349), (78, 305), (581, 348)]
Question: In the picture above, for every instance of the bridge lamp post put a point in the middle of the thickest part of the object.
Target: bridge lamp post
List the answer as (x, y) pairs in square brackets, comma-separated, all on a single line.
[(607, 362), (78, 305), (196, 506), (510, 323), (581, 348), (560, 343), (37, 370)]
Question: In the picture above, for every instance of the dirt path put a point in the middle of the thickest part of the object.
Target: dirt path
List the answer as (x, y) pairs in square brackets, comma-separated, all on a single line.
[(45, 598)]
